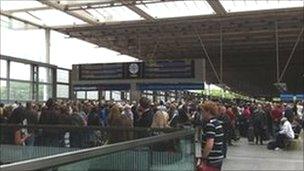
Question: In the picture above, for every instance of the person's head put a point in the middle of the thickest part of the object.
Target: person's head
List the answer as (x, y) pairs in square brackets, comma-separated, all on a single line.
[(144, 102), (50, 103), (29, 105), (1, 105), (159, 120), (114, 115), (222, 109), (210, 110), (127, 108)]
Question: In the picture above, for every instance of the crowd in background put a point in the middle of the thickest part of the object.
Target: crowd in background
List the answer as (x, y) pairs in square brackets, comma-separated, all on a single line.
[(256, 121)]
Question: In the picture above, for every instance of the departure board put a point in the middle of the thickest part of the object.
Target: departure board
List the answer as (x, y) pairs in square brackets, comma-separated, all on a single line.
[(138, 70), (169, 69), (101, 71)]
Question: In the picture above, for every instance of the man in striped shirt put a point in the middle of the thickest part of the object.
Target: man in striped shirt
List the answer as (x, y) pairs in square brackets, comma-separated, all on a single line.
[(213, 137)]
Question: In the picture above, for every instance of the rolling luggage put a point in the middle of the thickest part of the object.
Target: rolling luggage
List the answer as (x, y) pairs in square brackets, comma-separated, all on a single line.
[(271, 145)]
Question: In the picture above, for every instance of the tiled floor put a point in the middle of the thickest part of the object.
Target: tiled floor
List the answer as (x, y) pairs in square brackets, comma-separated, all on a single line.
[(244, 156)]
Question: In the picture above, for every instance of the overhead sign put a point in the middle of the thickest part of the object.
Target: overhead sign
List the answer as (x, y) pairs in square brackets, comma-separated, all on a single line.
[(96, 87), (100, 71), (300, 96), (287, 97), (178, 86), (138, 70), (169, 69)]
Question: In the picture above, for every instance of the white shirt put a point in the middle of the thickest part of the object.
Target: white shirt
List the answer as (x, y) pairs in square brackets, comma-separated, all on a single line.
[(287, 130)]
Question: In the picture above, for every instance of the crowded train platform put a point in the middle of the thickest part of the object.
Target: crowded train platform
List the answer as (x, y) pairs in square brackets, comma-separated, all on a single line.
[(151, 85)]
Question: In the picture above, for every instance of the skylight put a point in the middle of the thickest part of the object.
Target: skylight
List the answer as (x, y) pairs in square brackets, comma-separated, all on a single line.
[(49, 17), (114, 14), (177, 9), (18, 4), (254, 5)]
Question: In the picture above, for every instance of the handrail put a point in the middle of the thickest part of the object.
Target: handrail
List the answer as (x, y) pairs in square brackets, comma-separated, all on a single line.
[(72, 127), (75, 156)]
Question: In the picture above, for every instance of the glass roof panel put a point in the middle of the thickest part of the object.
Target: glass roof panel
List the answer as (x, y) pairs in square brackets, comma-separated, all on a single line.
[(69, 2), (49, 18), (254, 5), (177, 9), (114, 14), (19, 4), (14, 24)]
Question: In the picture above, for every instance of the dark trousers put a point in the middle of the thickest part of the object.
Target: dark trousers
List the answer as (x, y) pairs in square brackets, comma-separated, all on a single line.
[(225, 148), (258, 133)]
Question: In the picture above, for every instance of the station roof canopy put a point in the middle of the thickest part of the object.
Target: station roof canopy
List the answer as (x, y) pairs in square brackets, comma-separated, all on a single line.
[(246, 35)]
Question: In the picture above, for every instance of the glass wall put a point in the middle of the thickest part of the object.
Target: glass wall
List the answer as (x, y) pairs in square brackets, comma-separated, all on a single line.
[(63, 87), (29, 80), (92, 95), (3, 90), (20, 91)]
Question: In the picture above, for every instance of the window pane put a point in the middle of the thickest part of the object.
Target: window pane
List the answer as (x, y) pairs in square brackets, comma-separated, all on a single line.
[(62, 91), (20, 91), (62, 76), (80, 95), (3, 68), (45, 75), (93, 95), (108, 95), (45, 92), (116, 95), (20, 71), (3, 90)]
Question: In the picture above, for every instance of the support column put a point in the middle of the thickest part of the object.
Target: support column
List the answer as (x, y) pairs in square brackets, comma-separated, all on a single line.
[(8, 84), (35, 85), (221, 54), (111, 95), (134, 93), (101, 95), (48, 46), (122, 95), (277, 51)]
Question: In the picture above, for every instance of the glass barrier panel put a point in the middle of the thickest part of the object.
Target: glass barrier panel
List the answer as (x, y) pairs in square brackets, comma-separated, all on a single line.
[(172, 155)]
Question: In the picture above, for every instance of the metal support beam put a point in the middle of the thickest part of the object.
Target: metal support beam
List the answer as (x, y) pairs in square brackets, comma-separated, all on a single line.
[(78, 14), (28, 9), (137, 10), (207, 55), (21, 20), (221, 54), (277, 50), (217, 7), (291, 54)]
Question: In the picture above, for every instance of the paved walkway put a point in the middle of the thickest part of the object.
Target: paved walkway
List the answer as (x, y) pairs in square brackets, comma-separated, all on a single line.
[(244, 156)]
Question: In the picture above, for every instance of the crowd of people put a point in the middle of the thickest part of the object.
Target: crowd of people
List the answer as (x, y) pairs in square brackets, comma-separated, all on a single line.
[(222, 122)]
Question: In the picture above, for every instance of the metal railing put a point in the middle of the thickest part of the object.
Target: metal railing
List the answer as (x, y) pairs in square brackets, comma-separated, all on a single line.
[(58, 160)]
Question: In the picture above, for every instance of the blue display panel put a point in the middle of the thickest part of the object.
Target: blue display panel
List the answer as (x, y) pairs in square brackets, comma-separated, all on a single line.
[(178, 86), (286, 97), (95, 87)]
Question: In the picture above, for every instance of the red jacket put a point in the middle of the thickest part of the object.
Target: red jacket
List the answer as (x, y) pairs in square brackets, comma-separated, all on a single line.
[(276, 114)]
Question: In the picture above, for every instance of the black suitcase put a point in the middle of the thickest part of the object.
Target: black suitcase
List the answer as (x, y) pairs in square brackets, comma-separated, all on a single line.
[(271, 145)]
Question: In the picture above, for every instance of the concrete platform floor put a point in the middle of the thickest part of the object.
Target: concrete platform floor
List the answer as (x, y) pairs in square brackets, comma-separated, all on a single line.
[(244, 156)]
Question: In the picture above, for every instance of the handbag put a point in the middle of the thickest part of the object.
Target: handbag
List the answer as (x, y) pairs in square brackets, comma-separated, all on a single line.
[(204, 167)]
